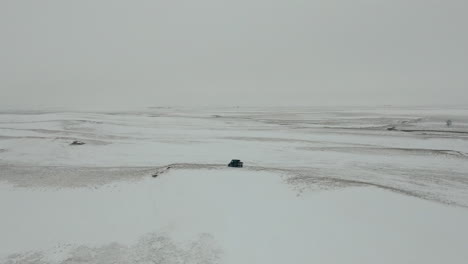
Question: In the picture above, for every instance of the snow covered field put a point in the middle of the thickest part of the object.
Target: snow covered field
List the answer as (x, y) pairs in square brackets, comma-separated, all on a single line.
[(323, 185)]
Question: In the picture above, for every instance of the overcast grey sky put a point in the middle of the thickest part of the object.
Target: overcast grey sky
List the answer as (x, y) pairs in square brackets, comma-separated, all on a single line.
[(114, 53)]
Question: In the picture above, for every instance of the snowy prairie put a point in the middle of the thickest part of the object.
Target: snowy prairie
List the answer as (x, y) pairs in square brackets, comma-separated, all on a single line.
[(320, 185)]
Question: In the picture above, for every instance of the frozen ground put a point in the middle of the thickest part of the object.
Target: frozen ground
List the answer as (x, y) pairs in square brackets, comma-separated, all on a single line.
[(322, 185)]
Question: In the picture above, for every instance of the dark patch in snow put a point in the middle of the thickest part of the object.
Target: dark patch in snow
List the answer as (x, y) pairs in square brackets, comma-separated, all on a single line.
[(161, 171), (152, 248), (77, 143)]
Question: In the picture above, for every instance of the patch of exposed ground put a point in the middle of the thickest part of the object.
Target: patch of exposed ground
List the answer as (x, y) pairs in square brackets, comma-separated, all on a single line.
[(68, 177), (152, 248), (426, 184)]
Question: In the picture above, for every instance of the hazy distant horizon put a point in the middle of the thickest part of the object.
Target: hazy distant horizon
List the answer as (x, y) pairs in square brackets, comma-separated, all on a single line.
[(122, 109), (131, 54)]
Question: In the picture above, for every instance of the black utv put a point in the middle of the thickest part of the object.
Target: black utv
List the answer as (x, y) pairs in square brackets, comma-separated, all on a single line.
[(236, 163)]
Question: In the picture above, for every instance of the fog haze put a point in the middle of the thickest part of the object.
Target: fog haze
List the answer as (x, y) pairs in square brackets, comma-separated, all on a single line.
[(223, 53)]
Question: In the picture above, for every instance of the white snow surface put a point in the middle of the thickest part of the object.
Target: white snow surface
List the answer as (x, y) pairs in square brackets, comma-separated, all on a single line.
[(323, 185)]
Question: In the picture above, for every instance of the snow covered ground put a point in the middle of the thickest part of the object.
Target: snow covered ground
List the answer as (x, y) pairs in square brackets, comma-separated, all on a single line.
[(324, 185)]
